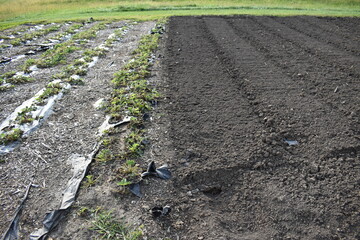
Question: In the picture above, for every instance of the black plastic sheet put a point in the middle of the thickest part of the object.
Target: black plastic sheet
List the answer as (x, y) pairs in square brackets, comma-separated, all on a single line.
[(13, 229), (52, 219), (161, 172)]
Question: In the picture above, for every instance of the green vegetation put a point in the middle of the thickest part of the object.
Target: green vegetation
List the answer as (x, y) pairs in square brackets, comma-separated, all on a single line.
[(28, 63), (20, 11), (25, 116), (104, 155), (50, 90), (10, 136), (19, 79), (57, 55), (90, 181), (35, 34), (106, 225), (90, 33)]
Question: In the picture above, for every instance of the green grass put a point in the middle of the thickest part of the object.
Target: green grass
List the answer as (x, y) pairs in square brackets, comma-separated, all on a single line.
[(108, 227), (20, 11)]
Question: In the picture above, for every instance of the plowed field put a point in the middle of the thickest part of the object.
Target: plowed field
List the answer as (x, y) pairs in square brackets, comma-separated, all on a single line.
[(238, 87)]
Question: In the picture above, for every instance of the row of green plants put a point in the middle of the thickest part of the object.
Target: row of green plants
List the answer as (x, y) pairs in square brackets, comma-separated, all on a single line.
[(132, 96), (53, 57), (79, 67), (35, 34)]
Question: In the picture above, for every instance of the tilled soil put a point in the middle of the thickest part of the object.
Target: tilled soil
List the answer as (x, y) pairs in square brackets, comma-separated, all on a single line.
[(236, 89)]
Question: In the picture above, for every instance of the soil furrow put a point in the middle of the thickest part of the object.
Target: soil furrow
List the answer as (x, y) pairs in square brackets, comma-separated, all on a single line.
[(295, 63), (325, 33), (235, 177), (340, 59)]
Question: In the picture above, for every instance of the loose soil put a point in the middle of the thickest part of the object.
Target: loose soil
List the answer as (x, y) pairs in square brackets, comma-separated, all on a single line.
[(233, 90)]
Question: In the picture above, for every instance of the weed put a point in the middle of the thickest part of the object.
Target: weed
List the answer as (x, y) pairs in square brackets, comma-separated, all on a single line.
[(90, 181), (107, 141), (129, 169), (108, 227), (75, 81), (6, 87), (4, 46), (124, 182), (10, 136), (74, 27), (57, 55), (104, 155), (28, 63), (83, 212), (95, 52)]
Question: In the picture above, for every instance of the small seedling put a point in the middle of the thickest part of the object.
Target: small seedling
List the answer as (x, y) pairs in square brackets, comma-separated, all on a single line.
[(83, 212), (90, 181), (104, 155), (20, 79), (124, 182), (25, 116), (10, 136)]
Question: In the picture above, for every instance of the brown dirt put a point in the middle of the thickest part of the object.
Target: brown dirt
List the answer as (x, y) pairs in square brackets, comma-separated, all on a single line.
[(235, 88)]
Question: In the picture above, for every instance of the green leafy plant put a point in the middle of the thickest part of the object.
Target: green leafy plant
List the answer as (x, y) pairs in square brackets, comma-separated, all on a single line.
[(24, 116), (10, 136), (124, 182), (90, 181), (20, 79), (104, 155), (50, 90)]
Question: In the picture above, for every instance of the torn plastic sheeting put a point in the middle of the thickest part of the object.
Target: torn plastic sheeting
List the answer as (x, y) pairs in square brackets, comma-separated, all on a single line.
[(5, 60), (106, 125), (13, 229), (80, 166), (291, 142), (160, 211), (40, 114), (135, 189), (161, 172), (94, 61)]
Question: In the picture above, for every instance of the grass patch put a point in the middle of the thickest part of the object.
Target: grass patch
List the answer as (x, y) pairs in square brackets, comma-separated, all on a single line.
[(108, 227), (19, 11), (33, 35)]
